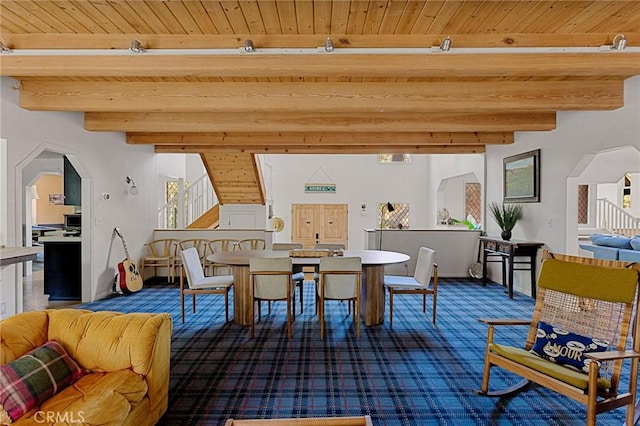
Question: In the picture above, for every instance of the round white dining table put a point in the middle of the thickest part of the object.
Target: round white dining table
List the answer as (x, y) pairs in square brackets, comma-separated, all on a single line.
[(373, 262)]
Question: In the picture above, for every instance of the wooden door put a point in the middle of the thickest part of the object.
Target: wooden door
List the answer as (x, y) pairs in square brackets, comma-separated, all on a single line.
[(319, 223)]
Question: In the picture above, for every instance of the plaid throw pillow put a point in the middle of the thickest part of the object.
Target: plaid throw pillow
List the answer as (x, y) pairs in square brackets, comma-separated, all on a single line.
[(34, 377), (565, 348)]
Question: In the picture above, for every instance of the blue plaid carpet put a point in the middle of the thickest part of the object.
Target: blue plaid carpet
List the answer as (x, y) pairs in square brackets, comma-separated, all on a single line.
[(415, 374)]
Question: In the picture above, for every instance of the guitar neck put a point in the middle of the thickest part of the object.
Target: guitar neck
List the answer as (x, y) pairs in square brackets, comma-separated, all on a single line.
[(124, 243)]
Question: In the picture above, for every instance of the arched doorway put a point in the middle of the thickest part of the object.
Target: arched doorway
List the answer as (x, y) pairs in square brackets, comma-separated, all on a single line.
[(607, 166), (41, 161)]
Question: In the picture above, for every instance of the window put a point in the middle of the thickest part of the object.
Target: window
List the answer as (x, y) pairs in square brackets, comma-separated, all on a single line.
[(394, 158), (396, 219), (583, 204), (626, 192)]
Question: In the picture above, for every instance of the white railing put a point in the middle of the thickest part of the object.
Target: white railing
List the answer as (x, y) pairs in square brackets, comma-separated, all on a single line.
[(615, 219), (191, 202)]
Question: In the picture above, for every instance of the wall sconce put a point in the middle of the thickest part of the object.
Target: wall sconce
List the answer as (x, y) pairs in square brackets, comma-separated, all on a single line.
[(619, 42), (363, 207), (133, 190), (136, 47), (248, 46)]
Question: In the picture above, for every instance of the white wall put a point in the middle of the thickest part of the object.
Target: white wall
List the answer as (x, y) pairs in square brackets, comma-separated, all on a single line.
[(577, 134), (360, 179), (106, 159)]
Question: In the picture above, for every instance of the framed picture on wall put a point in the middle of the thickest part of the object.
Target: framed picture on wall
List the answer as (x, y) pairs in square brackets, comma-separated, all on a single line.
[(521, 178), (56, 199)]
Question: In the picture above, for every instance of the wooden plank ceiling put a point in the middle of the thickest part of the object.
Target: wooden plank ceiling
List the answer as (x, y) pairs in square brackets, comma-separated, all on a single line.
[(231, 105)]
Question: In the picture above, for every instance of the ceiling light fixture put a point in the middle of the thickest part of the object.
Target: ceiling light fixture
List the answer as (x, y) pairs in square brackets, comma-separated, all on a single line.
[(248, 46), (136, 47), (446, 44), (619, 42), (328, 45)]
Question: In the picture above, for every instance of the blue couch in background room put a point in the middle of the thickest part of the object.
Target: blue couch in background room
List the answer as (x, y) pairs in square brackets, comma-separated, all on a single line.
[(614, 247)]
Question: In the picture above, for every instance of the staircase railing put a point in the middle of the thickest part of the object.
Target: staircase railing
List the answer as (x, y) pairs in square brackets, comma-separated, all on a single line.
[(191, 201), (615, 219)]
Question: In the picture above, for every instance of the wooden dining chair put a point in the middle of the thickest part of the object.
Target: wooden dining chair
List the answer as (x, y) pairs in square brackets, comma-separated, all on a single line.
[(251, 244), (199, 244), (271, 281), (298, 273), (197, 283), (426, 273), (340, 278), (160, 254), (218, 246)]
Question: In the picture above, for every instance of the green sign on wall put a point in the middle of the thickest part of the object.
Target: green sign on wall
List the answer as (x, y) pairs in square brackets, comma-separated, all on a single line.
[(329, 188)]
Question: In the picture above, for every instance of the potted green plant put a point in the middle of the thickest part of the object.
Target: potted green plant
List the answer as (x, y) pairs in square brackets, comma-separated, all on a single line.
[(506, 216)]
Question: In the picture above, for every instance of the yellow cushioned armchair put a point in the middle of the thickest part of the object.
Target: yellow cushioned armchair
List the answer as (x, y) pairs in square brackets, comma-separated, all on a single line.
[(127, 357)]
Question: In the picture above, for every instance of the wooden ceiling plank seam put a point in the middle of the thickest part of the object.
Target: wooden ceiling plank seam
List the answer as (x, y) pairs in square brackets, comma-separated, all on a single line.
[(219, 18), (391, 18), (287, 15), (201, 17), (75, 22), (439, 25), (319, 97), (339, 17), (132, 13), (556, 13), (580, 21), (357, 15), (253, 17), (168, 19), (26, 19), (119, 23), (322, 17), (329, 149), (317, 138), (493, 23), (511, 18), (102, 24), (626, 17), (271, 20), (465, 14), (184, 17), (235, 17), (484, 14), (305, 17), (320, 122), (419, 17), (375, 16)]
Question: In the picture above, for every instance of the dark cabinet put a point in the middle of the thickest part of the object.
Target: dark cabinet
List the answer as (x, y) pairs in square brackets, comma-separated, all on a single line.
[(72, 185), (62, 270)]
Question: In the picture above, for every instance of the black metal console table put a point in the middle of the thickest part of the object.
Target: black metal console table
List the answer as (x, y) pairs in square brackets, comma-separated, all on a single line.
[(508, 251)]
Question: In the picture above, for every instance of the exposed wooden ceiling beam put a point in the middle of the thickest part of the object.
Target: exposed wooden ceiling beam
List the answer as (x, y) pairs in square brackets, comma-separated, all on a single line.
[(319, 122), (326, 149), (621, 64), (226, 41), (320, 97), (222, 140)]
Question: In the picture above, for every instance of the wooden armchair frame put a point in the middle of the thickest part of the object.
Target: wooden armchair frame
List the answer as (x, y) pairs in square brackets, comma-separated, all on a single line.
[(576, 309)]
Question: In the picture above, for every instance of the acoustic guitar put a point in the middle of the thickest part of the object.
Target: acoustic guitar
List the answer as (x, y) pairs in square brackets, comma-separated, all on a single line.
[(128, 279)]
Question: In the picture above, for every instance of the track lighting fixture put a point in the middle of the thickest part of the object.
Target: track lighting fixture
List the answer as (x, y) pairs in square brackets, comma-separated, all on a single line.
[(619, 42), (248, 46), (328, 45), (4, 48), (136, 47), (446, 44)]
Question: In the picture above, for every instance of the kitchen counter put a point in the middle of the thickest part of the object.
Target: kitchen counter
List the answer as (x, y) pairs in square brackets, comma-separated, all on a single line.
[(11, 255)]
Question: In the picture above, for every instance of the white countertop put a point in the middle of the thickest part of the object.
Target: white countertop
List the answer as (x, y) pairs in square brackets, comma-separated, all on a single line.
[(59, 239)]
